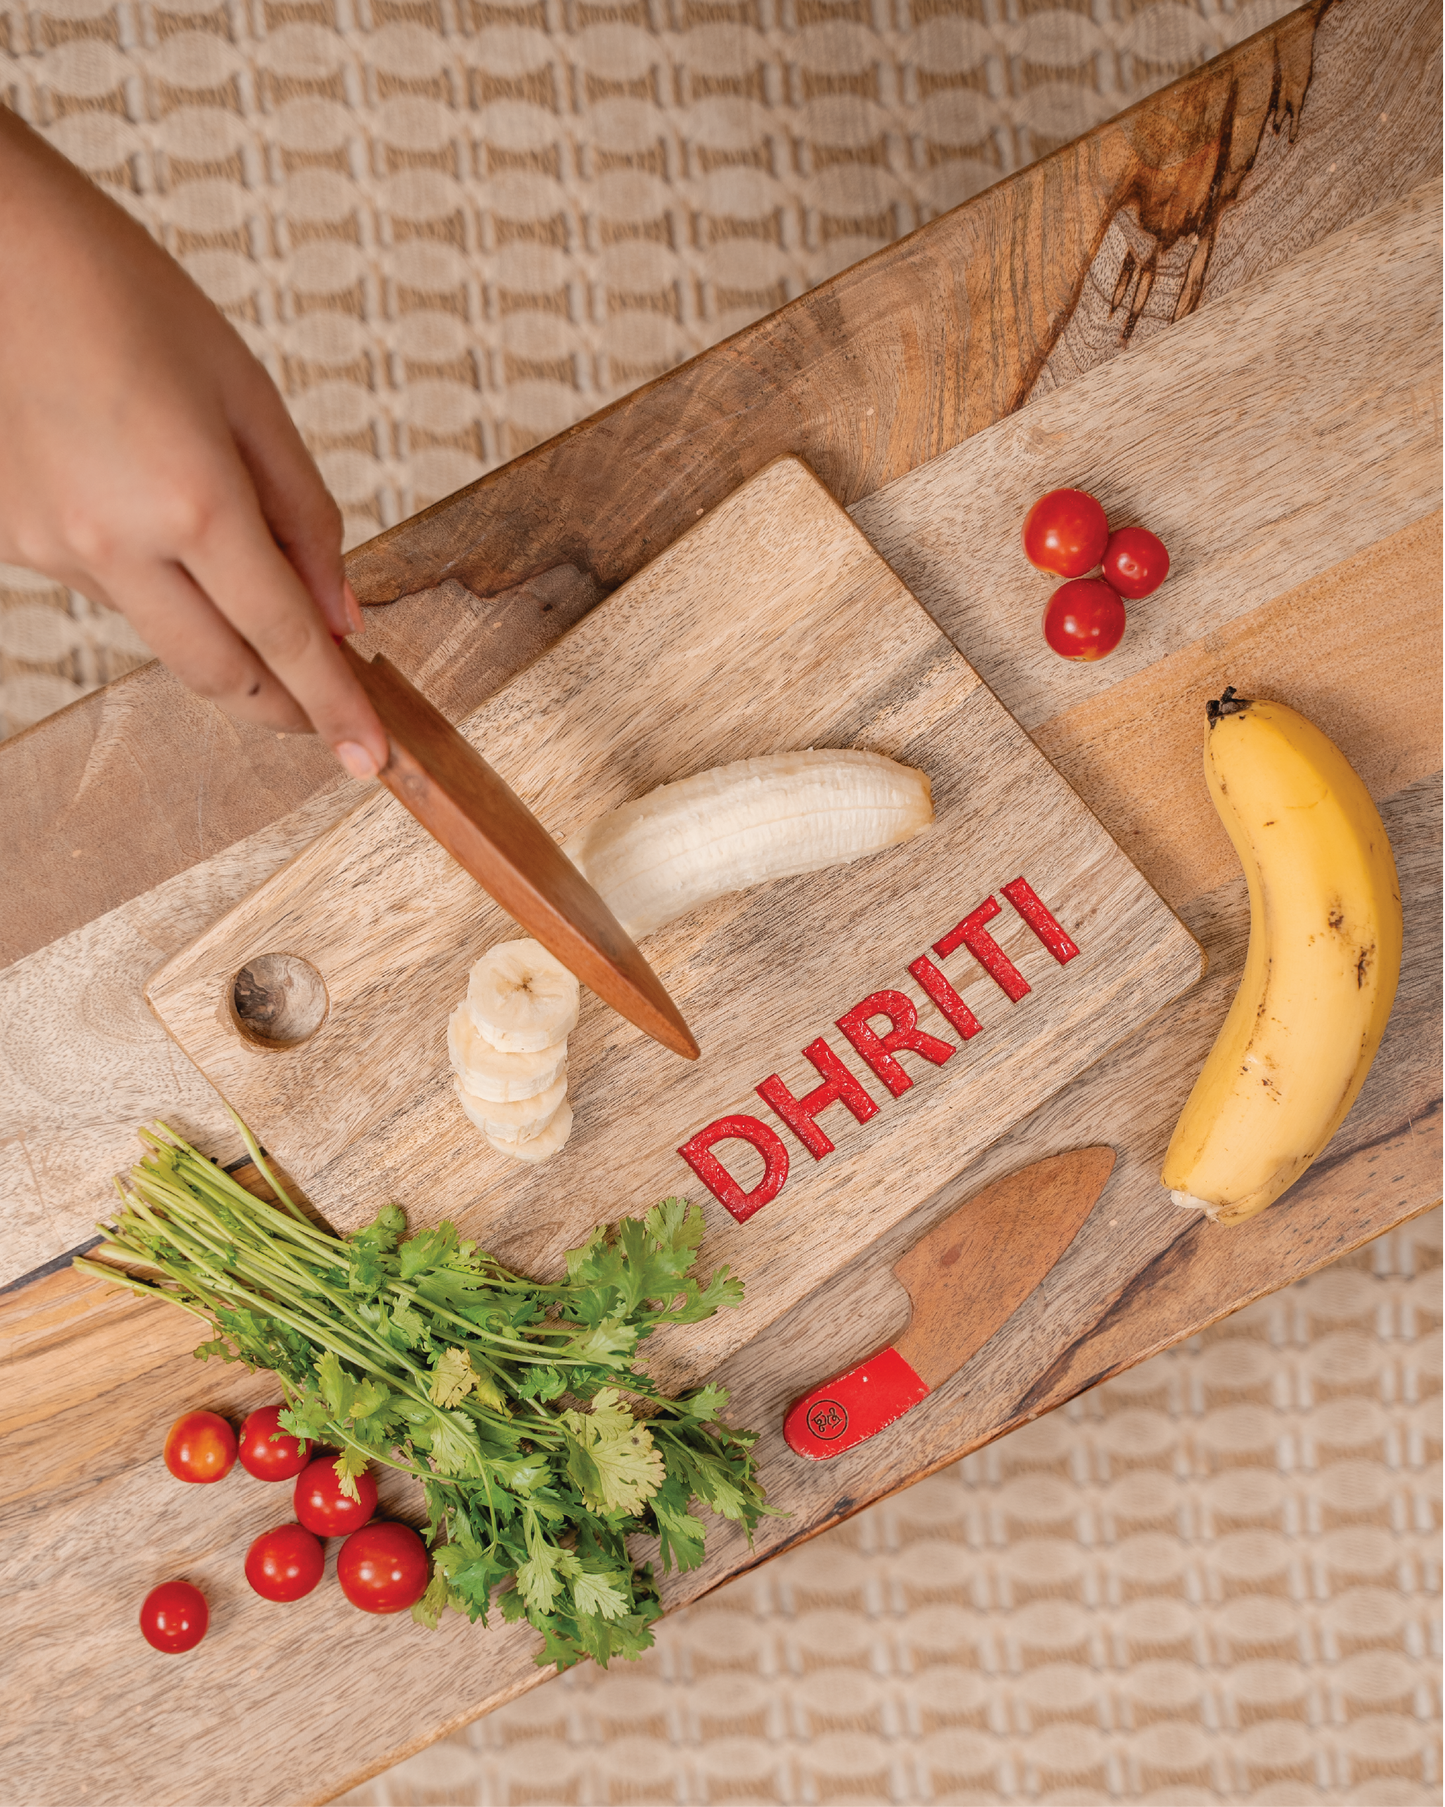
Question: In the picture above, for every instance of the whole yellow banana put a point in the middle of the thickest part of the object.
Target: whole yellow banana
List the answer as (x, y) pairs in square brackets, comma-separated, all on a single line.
[(1323, 961)]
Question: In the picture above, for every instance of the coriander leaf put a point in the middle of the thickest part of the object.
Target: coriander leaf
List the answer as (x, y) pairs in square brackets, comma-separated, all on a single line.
[(681, 1535), (540, 1383), (382, 1233), (705, 1404), (537, 1577), (557, 1647), (433, 1603), (337, 1387), (622, 1469), (369, 1398), (410, 1325), (453, 1450), (453, 1377), (306, 1418), (347, 1466), (610, 1337), (487, 1392), (675, 1224), (601, 1593), (474, 1577), (428, 1248)]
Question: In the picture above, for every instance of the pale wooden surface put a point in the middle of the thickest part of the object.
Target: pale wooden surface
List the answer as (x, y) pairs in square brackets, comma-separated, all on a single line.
[(1264, 439), (772, 625), (96, 1377), (82, 1060)]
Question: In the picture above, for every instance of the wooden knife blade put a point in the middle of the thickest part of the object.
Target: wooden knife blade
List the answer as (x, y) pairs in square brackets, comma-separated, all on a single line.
[(488, 830), (964, 1279)]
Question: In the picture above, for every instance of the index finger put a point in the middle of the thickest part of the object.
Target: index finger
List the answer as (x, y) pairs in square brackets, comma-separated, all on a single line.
[(254, 585)]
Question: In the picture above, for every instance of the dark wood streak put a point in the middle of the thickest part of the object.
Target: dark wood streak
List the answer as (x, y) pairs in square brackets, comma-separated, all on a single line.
[(928, 310)]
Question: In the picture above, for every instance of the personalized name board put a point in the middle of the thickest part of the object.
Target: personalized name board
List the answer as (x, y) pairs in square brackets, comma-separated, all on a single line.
[(771, 626)]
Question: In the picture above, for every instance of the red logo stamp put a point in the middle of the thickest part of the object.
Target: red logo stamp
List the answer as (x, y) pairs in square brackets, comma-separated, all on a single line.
[(827, 1420)]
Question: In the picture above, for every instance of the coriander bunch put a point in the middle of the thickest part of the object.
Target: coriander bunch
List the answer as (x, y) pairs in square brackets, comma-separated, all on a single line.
[(518, 1406)]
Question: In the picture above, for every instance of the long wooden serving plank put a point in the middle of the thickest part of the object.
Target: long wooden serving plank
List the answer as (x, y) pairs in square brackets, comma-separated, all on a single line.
[(772, 625)]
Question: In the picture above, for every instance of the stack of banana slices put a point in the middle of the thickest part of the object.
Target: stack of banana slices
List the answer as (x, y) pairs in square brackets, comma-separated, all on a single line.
[(508, 1045)]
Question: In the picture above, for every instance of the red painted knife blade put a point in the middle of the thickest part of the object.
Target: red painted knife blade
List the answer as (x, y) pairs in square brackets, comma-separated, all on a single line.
[(965, 1279)]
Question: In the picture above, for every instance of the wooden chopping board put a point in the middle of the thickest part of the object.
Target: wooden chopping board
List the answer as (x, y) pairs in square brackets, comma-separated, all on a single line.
[(771, 625)]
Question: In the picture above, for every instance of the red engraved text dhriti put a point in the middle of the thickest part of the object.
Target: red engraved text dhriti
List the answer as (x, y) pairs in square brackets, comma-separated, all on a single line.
[(838, 1087), (903, 1033), (971, 933), (947, 1001), (880, 1051), (1040, 919), (698, 1153)]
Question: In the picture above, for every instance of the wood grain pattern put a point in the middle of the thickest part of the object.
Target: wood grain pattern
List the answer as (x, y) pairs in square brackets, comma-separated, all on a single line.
[(82, 1060), (152, 789), (819, 645), (963, 1279), (1313, 123), (73, 1029), (1234, 438), (106, 1372)]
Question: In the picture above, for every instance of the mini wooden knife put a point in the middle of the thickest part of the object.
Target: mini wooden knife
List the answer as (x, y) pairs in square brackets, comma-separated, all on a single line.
[(488, 830), (965, 1278)]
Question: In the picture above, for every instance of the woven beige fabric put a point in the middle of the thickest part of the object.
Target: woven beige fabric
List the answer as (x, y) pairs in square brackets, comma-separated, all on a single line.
[(451, 228), (1215, 1578)]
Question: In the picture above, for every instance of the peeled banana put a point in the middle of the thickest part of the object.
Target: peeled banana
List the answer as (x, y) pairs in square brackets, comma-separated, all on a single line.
[(517, 1117), (538, 1143), (1320, 975), (687, 843)]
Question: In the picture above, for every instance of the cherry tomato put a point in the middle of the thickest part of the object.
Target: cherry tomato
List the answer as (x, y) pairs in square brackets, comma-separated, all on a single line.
[(1084, 619), (321, 1505), (286, 1563), (1135, 562), (173, 1617), (1065, 532), (383, 1567), (200, 1446), (264, 1454)]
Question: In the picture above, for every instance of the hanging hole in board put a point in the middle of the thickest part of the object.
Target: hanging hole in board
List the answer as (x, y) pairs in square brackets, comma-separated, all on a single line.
[(278, 1001)]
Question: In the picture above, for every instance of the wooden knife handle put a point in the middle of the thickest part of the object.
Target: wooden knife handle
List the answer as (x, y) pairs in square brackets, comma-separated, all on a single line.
[(852, 1407)]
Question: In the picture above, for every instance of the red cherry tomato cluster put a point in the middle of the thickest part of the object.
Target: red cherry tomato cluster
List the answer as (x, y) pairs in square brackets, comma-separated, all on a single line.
[(1067, 534), (382, 1567)]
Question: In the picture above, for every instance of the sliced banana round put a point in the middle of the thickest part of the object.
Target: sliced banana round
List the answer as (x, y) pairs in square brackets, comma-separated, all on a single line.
[(539, 1144), (521, 999), (489, 1073), (516, 1117)]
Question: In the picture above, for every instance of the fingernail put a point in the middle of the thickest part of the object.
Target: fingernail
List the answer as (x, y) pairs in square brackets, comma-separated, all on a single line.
[(353, 608), (358, 762)]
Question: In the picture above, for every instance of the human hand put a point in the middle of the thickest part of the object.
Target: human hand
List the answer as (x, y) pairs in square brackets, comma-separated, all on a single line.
[(148, 462)]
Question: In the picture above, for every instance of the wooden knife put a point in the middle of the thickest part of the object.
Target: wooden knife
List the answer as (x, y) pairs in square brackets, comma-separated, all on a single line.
[(488, 830), (965, 1278)]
